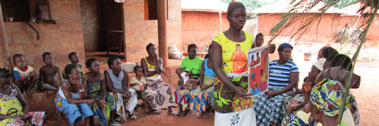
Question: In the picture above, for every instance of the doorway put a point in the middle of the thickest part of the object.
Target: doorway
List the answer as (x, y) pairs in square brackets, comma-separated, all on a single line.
[(103, 28)]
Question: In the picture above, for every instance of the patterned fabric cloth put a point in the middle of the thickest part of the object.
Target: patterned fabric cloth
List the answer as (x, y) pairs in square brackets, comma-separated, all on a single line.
[(11, 106), (116, 102), (298, 119), (132, 102), (182, 97), (227, 101), (158, 94), (37, 118), (244, 117), (199, 99), (326, 96), (94, 90), (295, 120), (209, 80), (269, 110)]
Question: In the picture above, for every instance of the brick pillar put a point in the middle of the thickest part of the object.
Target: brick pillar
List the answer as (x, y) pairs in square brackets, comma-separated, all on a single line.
[(162, 30), (3, 38)]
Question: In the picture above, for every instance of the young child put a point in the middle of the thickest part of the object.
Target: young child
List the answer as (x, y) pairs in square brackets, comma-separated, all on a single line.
[(258, 40), (96, 89), (74, 59), (25, 76), (138, 83), (48, 74)]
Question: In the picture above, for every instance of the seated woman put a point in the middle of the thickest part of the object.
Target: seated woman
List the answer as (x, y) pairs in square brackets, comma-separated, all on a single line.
[(120, 96), (189, 68), (202, 98), (294, 102), (298, 95), (345, 63), (283, 78), (96, 90), (14, 108), (157, 92), (71, 97), (325, 104), (326, 52), (336, 72)]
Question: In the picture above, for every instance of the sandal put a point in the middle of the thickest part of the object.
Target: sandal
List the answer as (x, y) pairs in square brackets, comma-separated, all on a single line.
[(116, 123), (199, 115), (133, 117), (157, 112), (173, 113)]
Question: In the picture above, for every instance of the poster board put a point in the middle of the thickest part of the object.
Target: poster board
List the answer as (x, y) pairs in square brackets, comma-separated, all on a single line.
[(258, 70)]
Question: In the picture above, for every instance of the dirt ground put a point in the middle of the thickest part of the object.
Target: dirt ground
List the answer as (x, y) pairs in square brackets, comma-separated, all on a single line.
[(366, 95)]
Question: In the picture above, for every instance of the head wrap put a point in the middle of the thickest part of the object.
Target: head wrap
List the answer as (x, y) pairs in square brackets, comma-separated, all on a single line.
[(326, 96), (283, 46), (319, 64)]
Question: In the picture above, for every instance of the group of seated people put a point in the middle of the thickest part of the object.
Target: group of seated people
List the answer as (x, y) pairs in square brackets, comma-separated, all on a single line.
[(113, 97), (319, 100)]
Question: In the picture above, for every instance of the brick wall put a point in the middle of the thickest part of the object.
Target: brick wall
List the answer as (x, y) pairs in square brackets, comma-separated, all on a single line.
[(60, 39), (139, 32), (90, 12), (200, 27)]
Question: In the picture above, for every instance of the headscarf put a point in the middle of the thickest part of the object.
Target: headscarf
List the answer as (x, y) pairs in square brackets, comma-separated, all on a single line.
[(326, 96), (319, 64), (283, 46), (342, 75)]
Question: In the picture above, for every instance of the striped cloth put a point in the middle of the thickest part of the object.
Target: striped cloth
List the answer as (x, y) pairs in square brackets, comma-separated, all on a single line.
[(280, 74)]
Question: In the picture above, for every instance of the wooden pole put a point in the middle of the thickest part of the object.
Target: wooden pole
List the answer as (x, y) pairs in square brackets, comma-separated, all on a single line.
[(3, 38), (162, 30)]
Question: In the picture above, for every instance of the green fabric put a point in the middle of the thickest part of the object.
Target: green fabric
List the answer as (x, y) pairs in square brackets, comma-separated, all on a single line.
[(194, 64)]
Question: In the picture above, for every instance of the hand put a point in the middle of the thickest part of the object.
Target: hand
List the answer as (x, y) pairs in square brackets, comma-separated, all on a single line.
[(272, 48), (90, 101), (241, 92), (292, 94), (294, 104), (19, 117), (203, 87), (126, 94), (85, 77), (270, 94), (26, 116), (307, 86), (101, 103), (32, 74), (189, 73)]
